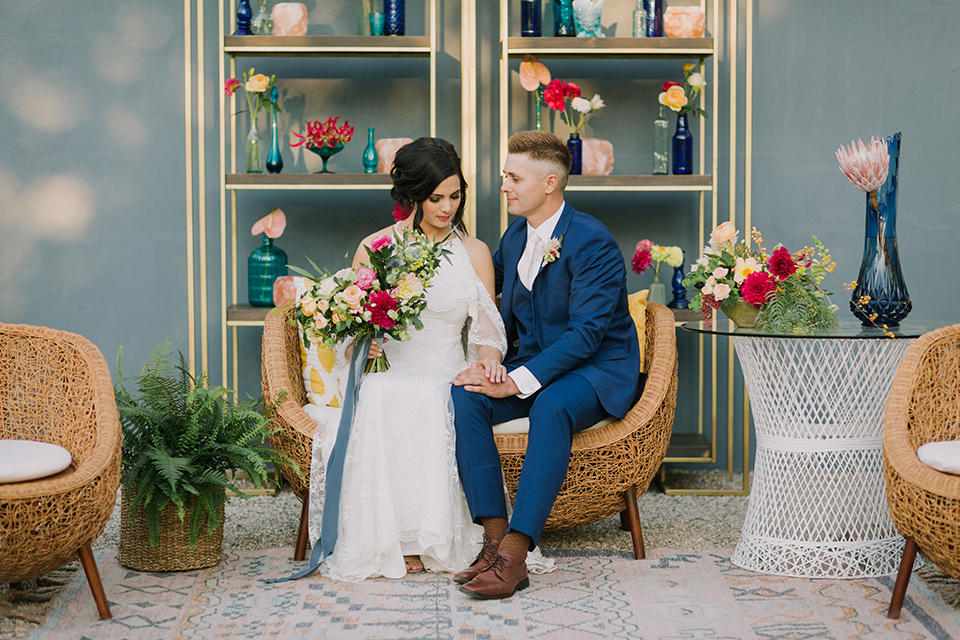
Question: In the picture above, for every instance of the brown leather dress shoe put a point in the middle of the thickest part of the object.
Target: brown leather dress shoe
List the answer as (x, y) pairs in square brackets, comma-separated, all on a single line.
[(487, 553), (501, 579)]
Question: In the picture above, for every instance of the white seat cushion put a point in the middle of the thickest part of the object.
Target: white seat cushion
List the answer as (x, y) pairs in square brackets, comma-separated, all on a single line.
[(522, 425), (942, 456), (22, 460)]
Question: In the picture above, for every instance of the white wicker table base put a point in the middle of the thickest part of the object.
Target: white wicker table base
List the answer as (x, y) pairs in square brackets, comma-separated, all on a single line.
[(817, 506)]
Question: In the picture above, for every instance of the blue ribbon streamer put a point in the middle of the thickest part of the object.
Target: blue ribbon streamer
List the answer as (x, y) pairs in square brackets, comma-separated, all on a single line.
[(331, 500)]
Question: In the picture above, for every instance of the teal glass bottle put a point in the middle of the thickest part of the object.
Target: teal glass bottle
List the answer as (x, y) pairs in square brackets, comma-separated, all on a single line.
[(370, 157), (265, 264), (274, 161)]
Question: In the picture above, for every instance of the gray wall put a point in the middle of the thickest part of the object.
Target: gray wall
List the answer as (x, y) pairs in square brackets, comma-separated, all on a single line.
[(92, 174)]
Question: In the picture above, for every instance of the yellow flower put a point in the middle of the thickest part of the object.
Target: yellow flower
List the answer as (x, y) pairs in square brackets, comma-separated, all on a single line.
[(257, 83), (744, 268), (409, 287), (674, 97), (688, 67), (674, 256)]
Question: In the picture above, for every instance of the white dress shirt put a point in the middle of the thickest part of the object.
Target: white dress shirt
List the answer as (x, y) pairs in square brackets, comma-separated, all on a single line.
[(527, 269)]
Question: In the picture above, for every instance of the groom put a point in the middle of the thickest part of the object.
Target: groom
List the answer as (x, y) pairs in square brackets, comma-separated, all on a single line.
[(573, 358)]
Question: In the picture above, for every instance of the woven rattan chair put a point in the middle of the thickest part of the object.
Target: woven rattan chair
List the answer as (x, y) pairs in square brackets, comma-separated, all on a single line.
[(55, 387), (924, 406), (608, 466), (611, 465), (283, 377)]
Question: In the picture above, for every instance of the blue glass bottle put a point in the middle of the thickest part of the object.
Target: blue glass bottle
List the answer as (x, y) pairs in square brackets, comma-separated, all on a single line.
[(575, 144), (530, 18), (679, 291), (244, 17), (654, 9), (274, 161), (563, 18), (880, 285), (682, 147), (370, 157), (265, 264), (393, 17)]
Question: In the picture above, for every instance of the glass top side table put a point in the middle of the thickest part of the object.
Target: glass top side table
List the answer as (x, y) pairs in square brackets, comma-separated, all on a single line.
[(817, 506)]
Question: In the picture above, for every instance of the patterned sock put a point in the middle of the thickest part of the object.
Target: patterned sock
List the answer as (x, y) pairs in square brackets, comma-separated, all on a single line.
[(516, 545), (495, 528)]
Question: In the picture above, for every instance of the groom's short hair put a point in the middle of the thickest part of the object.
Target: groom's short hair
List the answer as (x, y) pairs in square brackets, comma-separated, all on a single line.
[(543, 146)]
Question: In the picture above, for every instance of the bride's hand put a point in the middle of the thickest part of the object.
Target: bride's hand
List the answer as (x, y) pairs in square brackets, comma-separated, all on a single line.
[(375, 349), (492, 369)]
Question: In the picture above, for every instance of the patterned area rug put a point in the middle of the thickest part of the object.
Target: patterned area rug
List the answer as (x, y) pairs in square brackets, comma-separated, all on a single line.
[(669, 595)]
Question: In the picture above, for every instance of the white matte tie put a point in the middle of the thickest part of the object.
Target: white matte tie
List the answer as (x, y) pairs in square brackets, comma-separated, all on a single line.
[(529, 265)]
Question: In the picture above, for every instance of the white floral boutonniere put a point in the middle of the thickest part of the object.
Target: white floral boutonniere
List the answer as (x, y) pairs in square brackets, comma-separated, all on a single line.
[(551, 249)]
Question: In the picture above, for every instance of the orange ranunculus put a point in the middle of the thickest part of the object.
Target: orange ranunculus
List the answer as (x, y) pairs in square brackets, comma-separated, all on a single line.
[(726, 232), (674, 97), (533, 73)]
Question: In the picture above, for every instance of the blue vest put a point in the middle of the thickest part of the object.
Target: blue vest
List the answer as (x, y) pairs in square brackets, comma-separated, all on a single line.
[(522, 304)]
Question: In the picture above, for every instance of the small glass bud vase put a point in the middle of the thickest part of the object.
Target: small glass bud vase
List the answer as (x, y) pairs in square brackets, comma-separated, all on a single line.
[(639, 21), (661, 144), (370, 158), (254, 148)]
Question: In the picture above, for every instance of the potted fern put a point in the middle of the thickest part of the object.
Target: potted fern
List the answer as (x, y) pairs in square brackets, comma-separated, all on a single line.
[(181, 438)]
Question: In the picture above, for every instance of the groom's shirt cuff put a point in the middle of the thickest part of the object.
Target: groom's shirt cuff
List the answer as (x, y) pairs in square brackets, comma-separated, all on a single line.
[(526, 382)]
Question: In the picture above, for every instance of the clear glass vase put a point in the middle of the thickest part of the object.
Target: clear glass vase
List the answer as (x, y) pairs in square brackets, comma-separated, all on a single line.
[(254, 147), (658, 290), (661, 145)]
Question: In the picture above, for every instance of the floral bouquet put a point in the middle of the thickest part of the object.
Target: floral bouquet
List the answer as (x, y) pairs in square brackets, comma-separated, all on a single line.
[(556, 94), (648, 253), (382, 298), (784, 287), (680, 99)]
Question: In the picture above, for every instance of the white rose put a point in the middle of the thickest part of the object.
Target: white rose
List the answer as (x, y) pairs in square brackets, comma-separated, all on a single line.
[(581, 105), (327, 287), (696, 81), (596, 102)]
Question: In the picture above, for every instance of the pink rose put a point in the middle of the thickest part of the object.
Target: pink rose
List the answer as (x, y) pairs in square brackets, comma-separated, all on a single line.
[(721, 291), (726, 232), (380, 243), (365, 277), (352, 295), (322, 306)]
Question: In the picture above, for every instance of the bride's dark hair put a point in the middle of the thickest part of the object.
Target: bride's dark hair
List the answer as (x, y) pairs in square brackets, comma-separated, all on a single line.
[(418, 169)]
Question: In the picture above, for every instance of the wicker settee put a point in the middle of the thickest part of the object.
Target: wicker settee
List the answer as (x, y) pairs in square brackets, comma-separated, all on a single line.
[(55, 387), (924, 406), (609, 466)]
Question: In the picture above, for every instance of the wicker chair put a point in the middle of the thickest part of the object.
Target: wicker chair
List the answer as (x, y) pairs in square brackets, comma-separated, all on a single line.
[(924, 406), (611, 465), (55, 387), (608, 466)]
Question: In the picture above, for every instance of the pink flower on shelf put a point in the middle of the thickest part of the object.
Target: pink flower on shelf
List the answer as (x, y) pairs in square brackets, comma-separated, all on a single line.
[(325, 133), (757, 287), (272, 224), (645, 244), (381, 303), (866, 166), (781, 264), (380, 243), (230, 86), (641, 259), (401, 211), (366, 277)]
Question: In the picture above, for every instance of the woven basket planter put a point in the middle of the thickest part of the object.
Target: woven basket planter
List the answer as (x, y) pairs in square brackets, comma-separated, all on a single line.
[(174, 552)]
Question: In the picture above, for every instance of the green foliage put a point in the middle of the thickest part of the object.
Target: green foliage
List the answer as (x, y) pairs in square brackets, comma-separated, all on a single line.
[(801, 305), (181, 438)]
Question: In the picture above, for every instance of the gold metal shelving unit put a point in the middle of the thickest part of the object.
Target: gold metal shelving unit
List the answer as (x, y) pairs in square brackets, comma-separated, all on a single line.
[(685, 448)]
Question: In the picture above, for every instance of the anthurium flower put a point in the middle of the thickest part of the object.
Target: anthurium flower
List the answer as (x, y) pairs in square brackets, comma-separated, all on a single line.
[(533, 73), (272, 224), (866, 166)]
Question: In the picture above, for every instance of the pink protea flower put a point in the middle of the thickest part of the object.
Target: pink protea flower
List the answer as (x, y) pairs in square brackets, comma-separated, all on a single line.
[(641, 259), (781, 264), (756, 288), (380, 243), (866, 166)]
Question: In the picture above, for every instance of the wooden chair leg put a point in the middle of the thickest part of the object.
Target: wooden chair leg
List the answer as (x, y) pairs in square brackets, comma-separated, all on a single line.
[(624, 521), (303, 532), (632, 515), (93, 579), (903, 579)]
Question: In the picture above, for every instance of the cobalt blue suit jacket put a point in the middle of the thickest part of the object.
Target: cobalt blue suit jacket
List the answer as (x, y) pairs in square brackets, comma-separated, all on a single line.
[(581, 319)]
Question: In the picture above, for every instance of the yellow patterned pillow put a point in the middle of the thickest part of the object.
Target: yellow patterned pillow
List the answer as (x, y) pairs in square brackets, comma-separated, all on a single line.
[(637, 303), (322, 386)]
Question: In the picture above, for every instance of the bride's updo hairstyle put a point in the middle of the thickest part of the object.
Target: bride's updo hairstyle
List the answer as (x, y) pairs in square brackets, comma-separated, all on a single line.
[(418, 169)]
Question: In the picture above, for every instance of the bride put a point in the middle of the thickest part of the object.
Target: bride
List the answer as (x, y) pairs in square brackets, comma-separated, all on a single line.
[(401, 507)]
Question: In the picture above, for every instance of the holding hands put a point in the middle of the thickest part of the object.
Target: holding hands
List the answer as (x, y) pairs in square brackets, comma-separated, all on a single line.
[(488, 377)]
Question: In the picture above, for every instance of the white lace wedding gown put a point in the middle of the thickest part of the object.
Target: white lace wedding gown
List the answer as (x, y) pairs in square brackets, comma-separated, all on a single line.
[(401, 494)]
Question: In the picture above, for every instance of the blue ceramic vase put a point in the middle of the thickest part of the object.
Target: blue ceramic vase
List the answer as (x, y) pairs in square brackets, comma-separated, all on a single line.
[(244, 17), (679, 291), (394, 19), (880, 284)]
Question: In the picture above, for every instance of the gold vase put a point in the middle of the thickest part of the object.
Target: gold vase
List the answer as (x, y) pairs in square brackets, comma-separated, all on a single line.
[(742, 313)]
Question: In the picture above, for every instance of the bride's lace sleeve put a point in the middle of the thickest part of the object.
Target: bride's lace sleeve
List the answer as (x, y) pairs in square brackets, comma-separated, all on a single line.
[(485, 325)]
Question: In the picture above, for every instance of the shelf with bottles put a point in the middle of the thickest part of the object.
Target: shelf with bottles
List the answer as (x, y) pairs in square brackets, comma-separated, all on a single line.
[(616, 47), (309, 181), (335, 46)]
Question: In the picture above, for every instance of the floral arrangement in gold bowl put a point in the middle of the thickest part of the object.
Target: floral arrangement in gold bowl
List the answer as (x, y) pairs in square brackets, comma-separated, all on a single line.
[(779, 292)]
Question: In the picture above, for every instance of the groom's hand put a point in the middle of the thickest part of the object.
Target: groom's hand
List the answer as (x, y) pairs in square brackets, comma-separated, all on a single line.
[(475, 381)]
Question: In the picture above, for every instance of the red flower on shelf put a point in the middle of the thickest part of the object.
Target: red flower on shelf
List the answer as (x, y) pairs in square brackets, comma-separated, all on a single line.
[(327, 133), (557, 92)]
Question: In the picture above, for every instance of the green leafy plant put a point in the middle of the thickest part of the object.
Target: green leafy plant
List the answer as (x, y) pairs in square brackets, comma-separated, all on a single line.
[(181, 438)]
